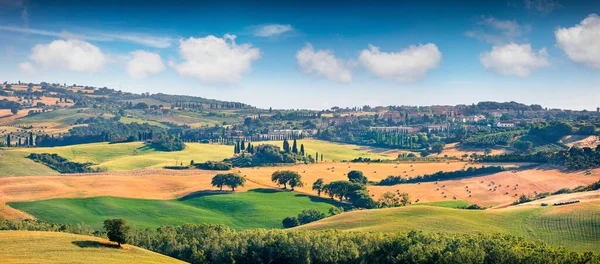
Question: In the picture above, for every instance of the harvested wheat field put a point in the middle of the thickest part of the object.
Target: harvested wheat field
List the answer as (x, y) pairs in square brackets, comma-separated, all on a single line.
[(334, 171), (44, 99), (580, 141), (145, 183), (6, 116), (454, 150), (503, 190)]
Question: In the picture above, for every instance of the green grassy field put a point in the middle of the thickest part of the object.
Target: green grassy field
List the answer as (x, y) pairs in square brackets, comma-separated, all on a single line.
[(13, 163), (576, 227), (259, 208), (334, 151), (134, 155), (53, 247)]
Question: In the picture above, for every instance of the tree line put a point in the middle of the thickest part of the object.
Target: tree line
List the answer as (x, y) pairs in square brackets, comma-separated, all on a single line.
[(441, 175), (206, 243), (62, 165)]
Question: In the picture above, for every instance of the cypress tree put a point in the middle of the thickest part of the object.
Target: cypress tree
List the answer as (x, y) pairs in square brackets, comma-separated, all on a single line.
[(295, 147), (302, 149), (30, 138), (8, 140), (317, 157), (242, 145)]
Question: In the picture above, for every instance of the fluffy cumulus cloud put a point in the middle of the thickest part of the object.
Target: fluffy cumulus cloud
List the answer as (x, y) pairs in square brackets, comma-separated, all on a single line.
[(323, 63), (143, 63), (215, 60), (408, 65), (271, 30), (71, 54), (514, 59), (497, 31), (27, 67), (581, 43)]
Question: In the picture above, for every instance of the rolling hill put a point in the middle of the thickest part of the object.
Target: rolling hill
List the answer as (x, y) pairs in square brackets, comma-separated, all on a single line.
[(52, 247), (258, 208), (575, 226)]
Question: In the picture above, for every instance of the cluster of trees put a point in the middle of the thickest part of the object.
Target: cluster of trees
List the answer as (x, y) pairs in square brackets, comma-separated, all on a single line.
[(441, 175), (294, 148), (168, 143), (492, 139), (354, 190), (267, 155), (552, 131), (61, 164), (100, 129), (28, 142), (205, 243), (232, 180), (304, 217), (390, 199), (287, 177), (573, 158), (240, 147), (362, 135), (13, 106), (213, 165)]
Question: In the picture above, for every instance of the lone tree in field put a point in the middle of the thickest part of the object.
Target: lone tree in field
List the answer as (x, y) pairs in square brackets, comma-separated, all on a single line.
[(302, 149), (357, 177), (287, 177), (318, 186), (117, 230), (234, 180), (219, 180), (228, 179)]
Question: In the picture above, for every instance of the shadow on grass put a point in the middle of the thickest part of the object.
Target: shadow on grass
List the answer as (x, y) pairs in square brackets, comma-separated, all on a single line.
[(93, 244), (265, 190), (199, 194)]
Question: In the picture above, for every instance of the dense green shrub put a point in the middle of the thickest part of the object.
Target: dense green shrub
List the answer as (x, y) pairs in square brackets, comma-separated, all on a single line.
[(441, 175), (213, 165), (61, 164)]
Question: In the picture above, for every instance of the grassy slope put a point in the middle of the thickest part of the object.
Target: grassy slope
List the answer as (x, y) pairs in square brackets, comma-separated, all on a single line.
[(51, 247), (333, 151), (64, 116), (576, 227), (262, 208), (15, 164), (135, 155)]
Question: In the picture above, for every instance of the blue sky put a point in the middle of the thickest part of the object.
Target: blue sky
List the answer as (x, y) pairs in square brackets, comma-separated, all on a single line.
[(313, 55)]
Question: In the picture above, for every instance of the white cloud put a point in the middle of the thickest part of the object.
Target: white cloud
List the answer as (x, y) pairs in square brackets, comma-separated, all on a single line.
[(143, 63), (408, 65), (271, 30), (514, 59), (27, 67), (581, 43), (75, 55), (542, 6), (496, 31), (215, 60), (150, 41), (322, 63)]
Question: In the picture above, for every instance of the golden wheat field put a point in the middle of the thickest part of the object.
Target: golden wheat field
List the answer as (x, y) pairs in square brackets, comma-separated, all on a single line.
[(508, 185)]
